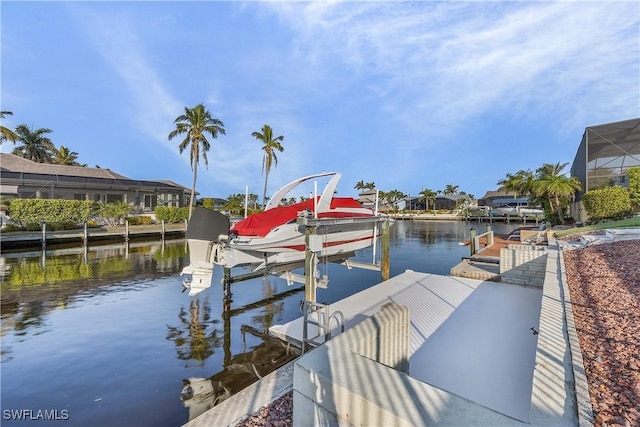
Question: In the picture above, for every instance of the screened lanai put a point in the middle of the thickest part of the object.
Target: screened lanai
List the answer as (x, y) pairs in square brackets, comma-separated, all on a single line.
[(604, 155)]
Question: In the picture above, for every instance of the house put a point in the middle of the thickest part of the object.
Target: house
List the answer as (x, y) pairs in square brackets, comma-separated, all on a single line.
[(605, 153), (499, 198), (451, 201), (26, 179), (367, 198)]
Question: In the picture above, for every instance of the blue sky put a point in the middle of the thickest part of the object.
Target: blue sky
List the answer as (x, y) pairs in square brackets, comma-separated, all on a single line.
[(409, 95)]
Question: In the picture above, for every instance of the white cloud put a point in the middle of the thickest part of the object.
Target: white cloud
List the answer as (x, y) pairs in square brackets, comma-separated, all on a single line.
[(453, 61)]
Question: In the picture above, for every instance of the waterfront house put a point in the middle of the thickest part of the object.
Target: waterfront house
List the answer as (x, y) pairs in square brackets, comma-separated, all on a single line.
[(605, 153), (26, 179)]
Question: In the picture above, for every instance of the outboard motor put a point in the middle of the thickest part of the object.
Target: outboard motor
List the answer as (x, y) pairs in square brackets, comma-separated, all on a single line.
[(203, 231)]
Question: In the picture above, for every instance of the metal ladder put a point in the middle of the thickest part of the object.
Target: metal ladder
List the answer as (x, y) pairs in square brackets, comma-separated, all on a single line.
[(321, 320)]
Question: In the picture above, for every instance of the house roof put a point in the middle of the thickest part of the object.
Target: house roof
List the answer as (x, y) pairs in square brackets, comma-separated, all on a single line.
[(497, 193), (174, 184), (13, 163), (455, 197)]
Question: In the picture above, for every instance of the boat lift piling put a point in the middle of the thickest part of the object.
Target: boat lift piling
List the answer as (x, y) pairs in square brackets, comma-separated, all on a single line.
[(314, 245)]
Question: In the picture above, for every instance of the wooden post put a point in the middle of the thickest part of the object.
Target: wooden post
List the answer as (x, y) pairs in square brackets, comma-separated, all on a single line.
[(472, 241), (309, 266), (384, 267), (126, 231), (226, 280), (44, 235), (489, 236), (85, 235), (163, 230)]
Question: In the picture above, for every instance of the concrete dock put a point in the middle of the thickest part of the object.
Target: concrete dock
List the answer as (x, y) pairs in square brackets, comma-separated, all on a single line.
[(480, 353)]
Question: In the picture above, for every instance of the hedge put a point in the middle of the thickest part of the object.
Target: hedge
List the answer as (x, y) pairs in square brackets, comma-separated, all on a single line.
[(51, 211), (139, 220), (634, 186), (171, 214), (607, 203)]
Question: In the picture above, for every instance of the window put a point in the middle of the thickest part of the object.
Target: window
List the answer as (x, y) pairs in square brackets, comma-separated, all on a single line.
[(79, 196), (114, 198), (150, 201)]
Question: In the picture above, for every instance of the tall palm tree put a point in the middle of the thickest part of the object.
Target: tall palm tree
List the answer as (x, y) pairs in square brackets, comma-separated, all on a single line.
[(7, 134), (370, 185), (35, 145), (269, 145), (196, 123), (360, 185), (554, 187), (64, 156), (427, 194)]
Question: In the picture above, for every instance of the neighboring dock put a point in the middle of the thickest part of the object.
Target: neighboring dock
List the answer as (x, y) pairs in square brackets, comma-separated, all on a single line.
[(37, 239)]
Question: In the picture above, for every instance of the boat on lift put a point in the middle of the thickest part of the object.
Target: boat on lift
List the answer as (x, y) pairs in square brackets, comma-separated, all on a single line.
[(519, 210), (275, 238)]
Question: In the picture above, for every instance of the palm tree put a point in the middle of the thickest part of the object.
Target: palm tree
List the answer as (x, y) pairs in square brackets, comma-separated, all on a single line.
[(269, 145), (394, 195), (427, 194), (450, 189), (234, 203), (7, 134), (196, 338), (360, 185), (510, 183), (253, 198), (370, 185), (35, 146), (554, 187), (195, 123), (64, 156)]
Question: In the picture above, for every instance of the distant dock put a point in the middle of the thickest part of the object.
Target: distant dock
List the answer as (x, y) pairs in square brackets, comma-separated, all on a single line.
[(470, 218), (16, 240)]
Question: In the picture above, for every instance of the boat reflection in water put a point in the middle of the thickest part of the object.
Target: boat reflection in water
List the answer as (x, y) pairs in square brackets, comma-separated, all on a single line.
[(202, 394)]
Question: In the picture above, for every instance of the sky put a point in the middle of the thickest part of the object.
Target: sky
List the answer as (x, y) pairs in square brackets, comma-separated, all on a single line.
[(408, 95)]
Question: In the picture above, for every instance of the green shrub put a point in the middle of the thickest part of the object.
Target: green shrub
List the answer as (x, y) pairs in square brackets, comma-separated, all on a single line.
[(634, 187), (139, 220), (11, 227), (114, 213), (36, 211), (607, 203), (171, 214), (207, 202)]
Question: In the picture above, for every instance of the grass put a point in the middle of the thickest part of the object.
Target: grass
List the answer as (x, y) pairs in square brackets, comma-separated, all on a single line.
[(629, 222)]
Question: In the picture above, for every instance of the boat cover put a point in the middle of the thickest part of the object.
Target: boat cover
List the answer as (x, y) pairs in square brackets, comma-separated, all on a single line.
[(260, 224)]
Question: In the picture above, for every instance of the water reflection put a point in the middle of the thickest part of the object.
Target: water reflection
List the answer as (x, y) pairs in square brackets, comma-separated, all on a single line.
[(243, 369), (32, 284), (196, 337)]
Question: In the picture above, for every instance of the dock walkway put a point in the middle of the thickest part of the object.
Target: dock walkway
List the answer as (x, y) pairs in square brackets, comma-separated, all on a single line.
[(33, 239), (468, 337)]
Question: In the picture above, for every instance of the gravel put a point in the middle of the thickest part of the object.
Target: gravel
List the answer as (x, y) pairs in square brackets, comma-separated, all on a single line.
[(278, 414), (604, 282)]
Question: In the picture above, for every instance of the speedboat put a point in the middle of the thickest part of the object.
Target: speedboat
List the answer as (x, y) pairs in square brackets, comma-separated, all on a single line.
[(519, 210), (275, 238)]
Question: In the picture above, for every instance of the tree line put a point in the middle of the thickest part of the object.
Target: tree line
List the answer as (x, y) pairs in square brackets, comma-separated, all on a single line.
[(425, 195), (194, 126), (35, 145)]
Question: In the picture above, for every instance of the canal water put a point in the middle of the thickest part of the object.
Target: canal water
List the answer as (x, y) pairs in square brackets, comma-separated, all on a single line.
[(104, 337)]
